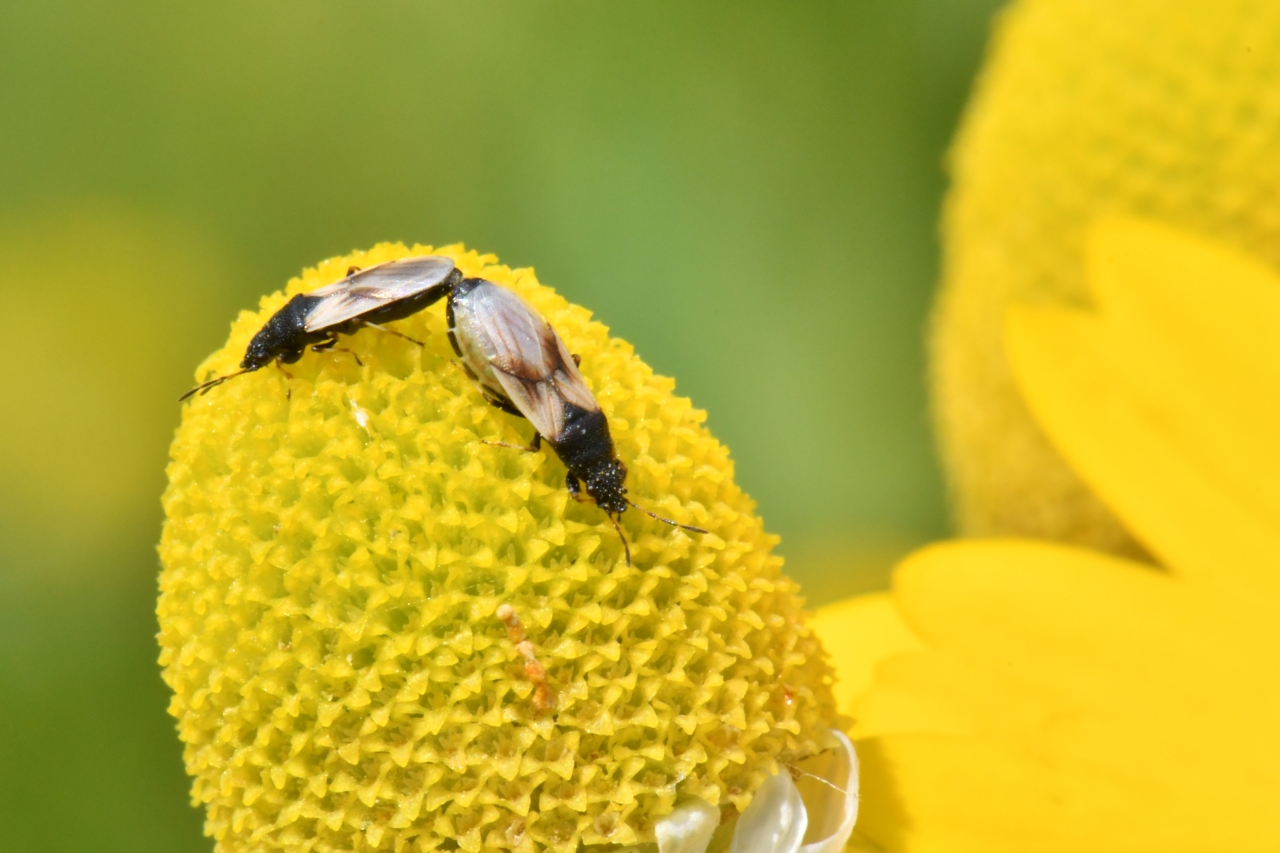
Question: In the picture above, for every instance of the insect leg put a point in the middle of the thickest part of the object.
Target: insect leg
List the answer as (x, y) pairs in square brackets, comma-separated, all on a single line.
[(350, 353), (574, 486), (504, 405), (288, 390), (496, 402), (534, 446), (329, 345), (352, 270), (577, 359), (397, 334)]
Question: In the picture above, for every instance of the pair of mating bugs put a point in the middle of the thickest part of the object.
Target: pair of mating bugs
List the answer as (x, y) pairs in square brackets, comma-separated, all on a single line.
[(507, 348)]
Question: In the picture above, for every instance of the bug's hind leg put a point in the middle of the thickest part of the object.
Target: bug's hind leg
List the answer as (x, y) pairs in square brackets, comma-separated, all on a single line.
[(497, 402), (505, 406), (397, 334)]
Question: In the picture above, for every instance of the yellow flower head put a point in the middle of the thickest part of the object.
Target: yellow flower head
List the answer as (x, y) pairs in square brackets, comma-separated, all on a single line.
[(1039, 697), (384, 634), (1161, 108)]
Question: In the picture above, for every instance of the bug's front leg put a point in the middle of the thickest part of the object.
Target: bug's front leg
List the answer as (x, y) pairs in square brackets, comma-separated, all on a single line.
[(574, 486), (288, 389)]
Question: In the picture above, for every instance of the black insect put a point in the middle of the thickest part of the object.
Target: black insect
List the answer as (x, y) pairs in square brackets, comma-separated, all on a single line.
[(379, 294), (522, 367)]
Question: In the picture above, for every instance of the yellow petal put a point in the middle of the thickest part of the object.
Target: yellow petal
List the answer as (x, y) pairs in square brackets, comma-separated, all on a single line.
[(1071, 699), (938, 794), (859, 633), (1166, 398)]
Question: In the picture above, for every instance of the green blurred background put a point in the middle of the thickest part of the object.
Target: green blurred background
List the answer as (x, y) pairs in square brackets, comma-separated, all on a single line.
[(748, 192)]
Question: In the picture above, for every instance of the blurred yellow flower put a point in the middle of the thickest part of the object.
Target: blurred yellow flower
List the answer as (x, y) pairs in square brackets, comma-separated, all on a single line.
[(1160, 108), (359, 598), (1039, 697), (103, 303)]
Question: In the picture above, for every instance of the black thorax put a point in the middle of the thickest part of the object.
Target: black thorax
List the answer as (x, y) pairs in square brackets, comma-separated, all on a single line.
[(585, 442)]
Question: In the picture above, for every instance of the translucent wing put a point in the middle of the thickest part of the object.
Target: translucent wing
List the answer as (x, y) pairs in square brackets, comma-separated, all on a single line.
[(507, 342), (375, 287)]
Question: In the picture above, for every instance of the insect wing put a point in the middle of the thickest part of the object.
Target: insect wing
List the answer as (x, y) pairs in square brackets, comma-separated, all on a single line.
[(569, 380), (375, 287), (526, 357)]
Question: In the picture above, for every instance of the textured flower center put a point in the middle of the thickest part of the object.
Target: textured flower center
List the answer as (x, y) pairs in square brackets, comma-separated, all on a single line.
[(384, 633)]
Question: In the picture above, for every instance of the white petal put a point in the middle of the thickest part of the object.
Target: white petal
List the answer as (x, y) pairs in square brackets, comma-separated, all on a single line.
[(774, 821), (830, 790), (689, 828)]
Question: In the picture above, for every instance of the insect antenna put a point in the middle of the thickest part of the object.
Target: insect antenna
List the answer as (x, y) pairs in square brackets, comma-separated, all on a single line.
[(625, 546), (667, 520), (205, 386)]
